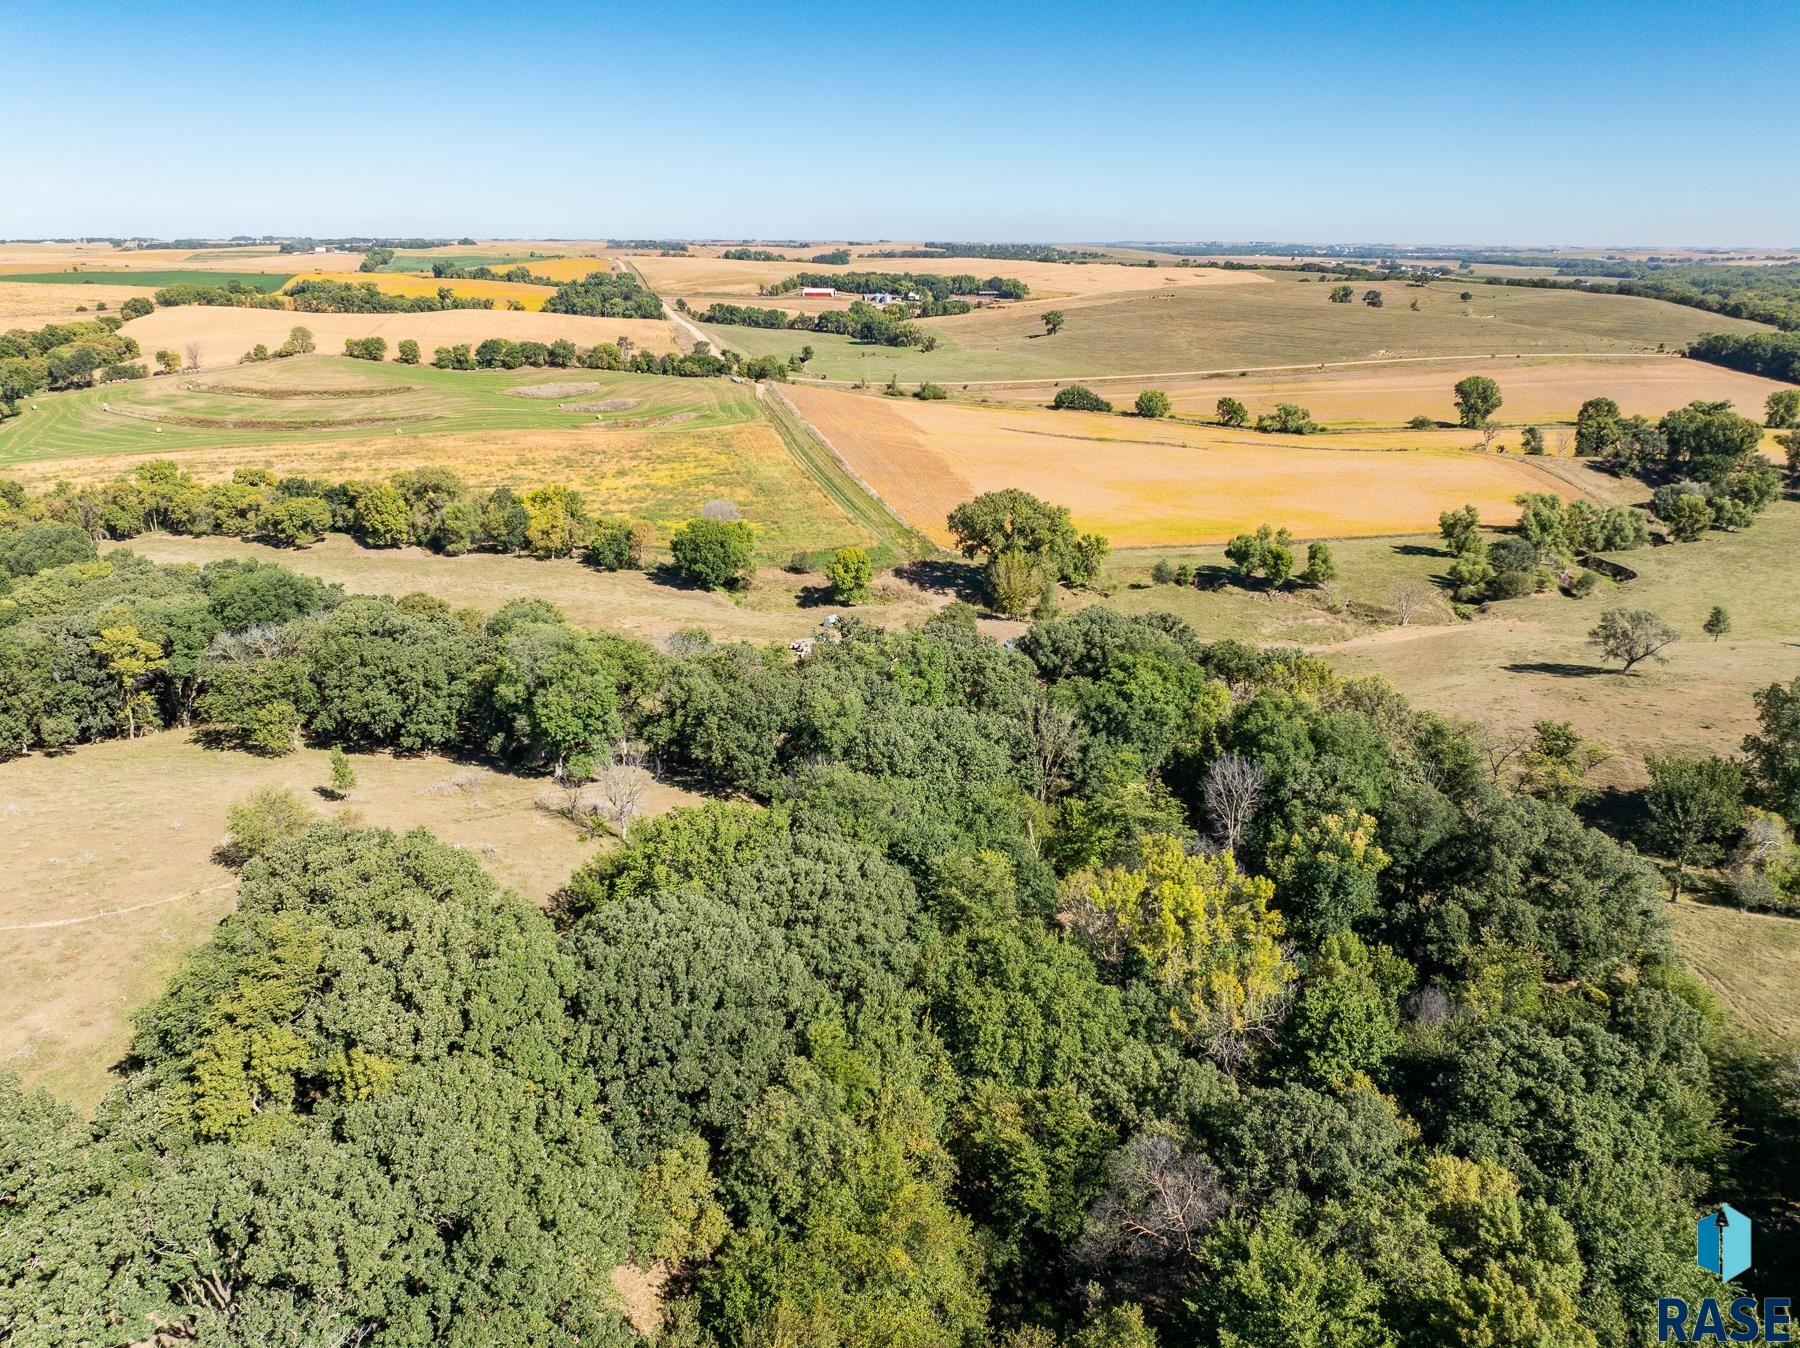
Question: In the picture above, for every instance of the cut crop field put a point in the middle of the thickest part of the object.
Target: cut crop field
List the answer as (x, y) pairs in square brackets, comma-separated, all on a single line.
[(1282, 322), (1145, 483), (31, 306), (500, 292), (253, 280), (661, 448), (108, 855), (422, 262), (225, 334), (1537, 390)]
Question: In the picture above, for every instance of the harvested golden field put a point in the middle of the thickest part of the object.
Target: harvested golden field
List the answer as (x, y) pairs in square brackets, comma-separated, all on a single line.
[(393, 283), (1145, 483), (25, 305), (566, 268), (104, 257), (1536, 390), (691, 276), (225, 334), (108, 855)]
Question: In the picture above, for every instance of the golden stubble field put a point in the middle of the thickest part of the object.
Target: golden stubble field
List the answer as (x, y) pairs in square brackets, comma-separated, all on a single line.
[(24, 304), (225, 334), (706, 276), (1147, 483), (1537, 390), (111, 879)]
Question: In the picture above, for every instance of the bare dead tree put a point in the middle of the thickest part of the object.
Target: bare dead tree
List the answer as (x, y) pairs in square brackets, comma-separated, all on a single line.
[(1488, 431), (192, 352), (1500, 747), (720, 509), (1055, 737), (1231, 791), (622, 783), (1407, 598), (1157, 1205)]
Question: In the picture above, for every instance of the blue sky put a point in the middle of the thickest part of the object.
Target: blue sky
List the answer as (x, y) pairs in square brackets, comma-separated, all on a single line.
[(1573, 123)]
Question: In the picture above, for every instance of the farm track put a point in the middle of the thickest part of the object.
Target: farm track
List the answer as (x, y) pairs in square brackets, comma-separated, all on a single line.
[(820, 458)]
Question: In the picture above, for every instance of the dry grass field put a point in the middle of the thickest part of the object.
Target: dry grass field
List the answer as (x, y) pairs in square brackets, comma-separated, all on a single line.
[(1537, 390), (391, 283), (108, 854), (630, 602), (645, 446), (104, 257), (1749, 960), (1263, 321), (225, 334), (1144, 483)]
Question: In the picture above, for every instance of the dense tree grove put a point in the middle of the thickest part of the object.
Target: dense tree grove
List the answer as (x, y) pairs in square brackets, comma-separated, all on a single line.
[(62, 356), (605, 295), (903, 283), (1107, 988)]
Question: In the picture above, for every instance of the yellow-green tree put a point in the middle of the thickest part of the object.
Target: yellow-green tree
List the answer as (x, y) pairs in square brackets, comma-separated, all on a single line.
[(131, 659), (1206, 928)]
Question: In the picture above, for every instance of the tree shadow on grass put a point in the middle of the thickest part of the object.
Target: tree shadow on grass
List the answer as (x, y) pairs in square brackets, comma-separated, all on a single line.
[(1419, 550), (1561, 668), (958, 580)]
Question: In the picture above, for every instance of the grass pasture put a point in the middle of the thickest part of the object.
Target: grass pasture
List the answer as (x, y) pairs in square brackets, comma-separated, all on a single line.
[(225, 334), (1266, 321), (108, 854), (1748, 960), (646, 446), (266, 282), (1150, 484)]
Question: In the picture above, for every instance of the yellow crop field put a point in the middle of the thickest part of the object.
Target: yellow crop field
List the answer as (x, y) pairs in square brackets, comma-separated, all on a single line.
[(1149, 483), (500, 292), (25, 305), (225, 334)]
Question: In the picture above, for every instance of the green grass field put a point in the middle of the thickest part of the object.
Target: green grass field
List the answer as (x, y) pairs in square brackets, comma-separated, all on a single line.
[(265, 281), (422, 262), (172, 414), (1285, 321)]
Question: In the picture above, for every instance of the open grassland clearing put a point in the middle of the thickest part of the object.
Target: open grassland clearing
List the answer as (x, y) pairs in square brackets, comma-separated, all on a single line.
[(1528, 659), (224, 334), (110, 876), (1537, 390), (1749, 961), (634, 603), (1145, 483), (500, 292)]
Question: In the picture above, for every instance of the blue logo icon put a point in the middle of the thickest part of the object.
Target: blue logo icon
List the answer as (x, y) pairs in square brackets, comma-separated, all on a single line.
[(1722, 1242)]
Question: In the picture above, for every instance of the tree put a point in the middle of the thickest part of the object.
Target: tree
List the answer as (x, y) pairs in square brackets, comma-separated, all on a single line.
[(1275, 1288), (1477, 399), (130, 659), (383, 518), (1079, 398), (264, 818), (1321, 566), (1717, 624), (192, 352), (1287, 419), (1152, 402), (1231, 412), (622, 782), (1694, 808), (1204, 927), (1342, 294), (717, 554), (1708, 441), (1531, 441), (1231, 790), (1372, 298), (848, 574), (1460, 528), (556, 522), (1011, 521), (1407, 598), (135, 307), (408, 352), (1631, 635), (1774, 749), (169, 360), (1555, 763), (1597, 427), (1781, 409), (1053, 322), (343, 775)]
